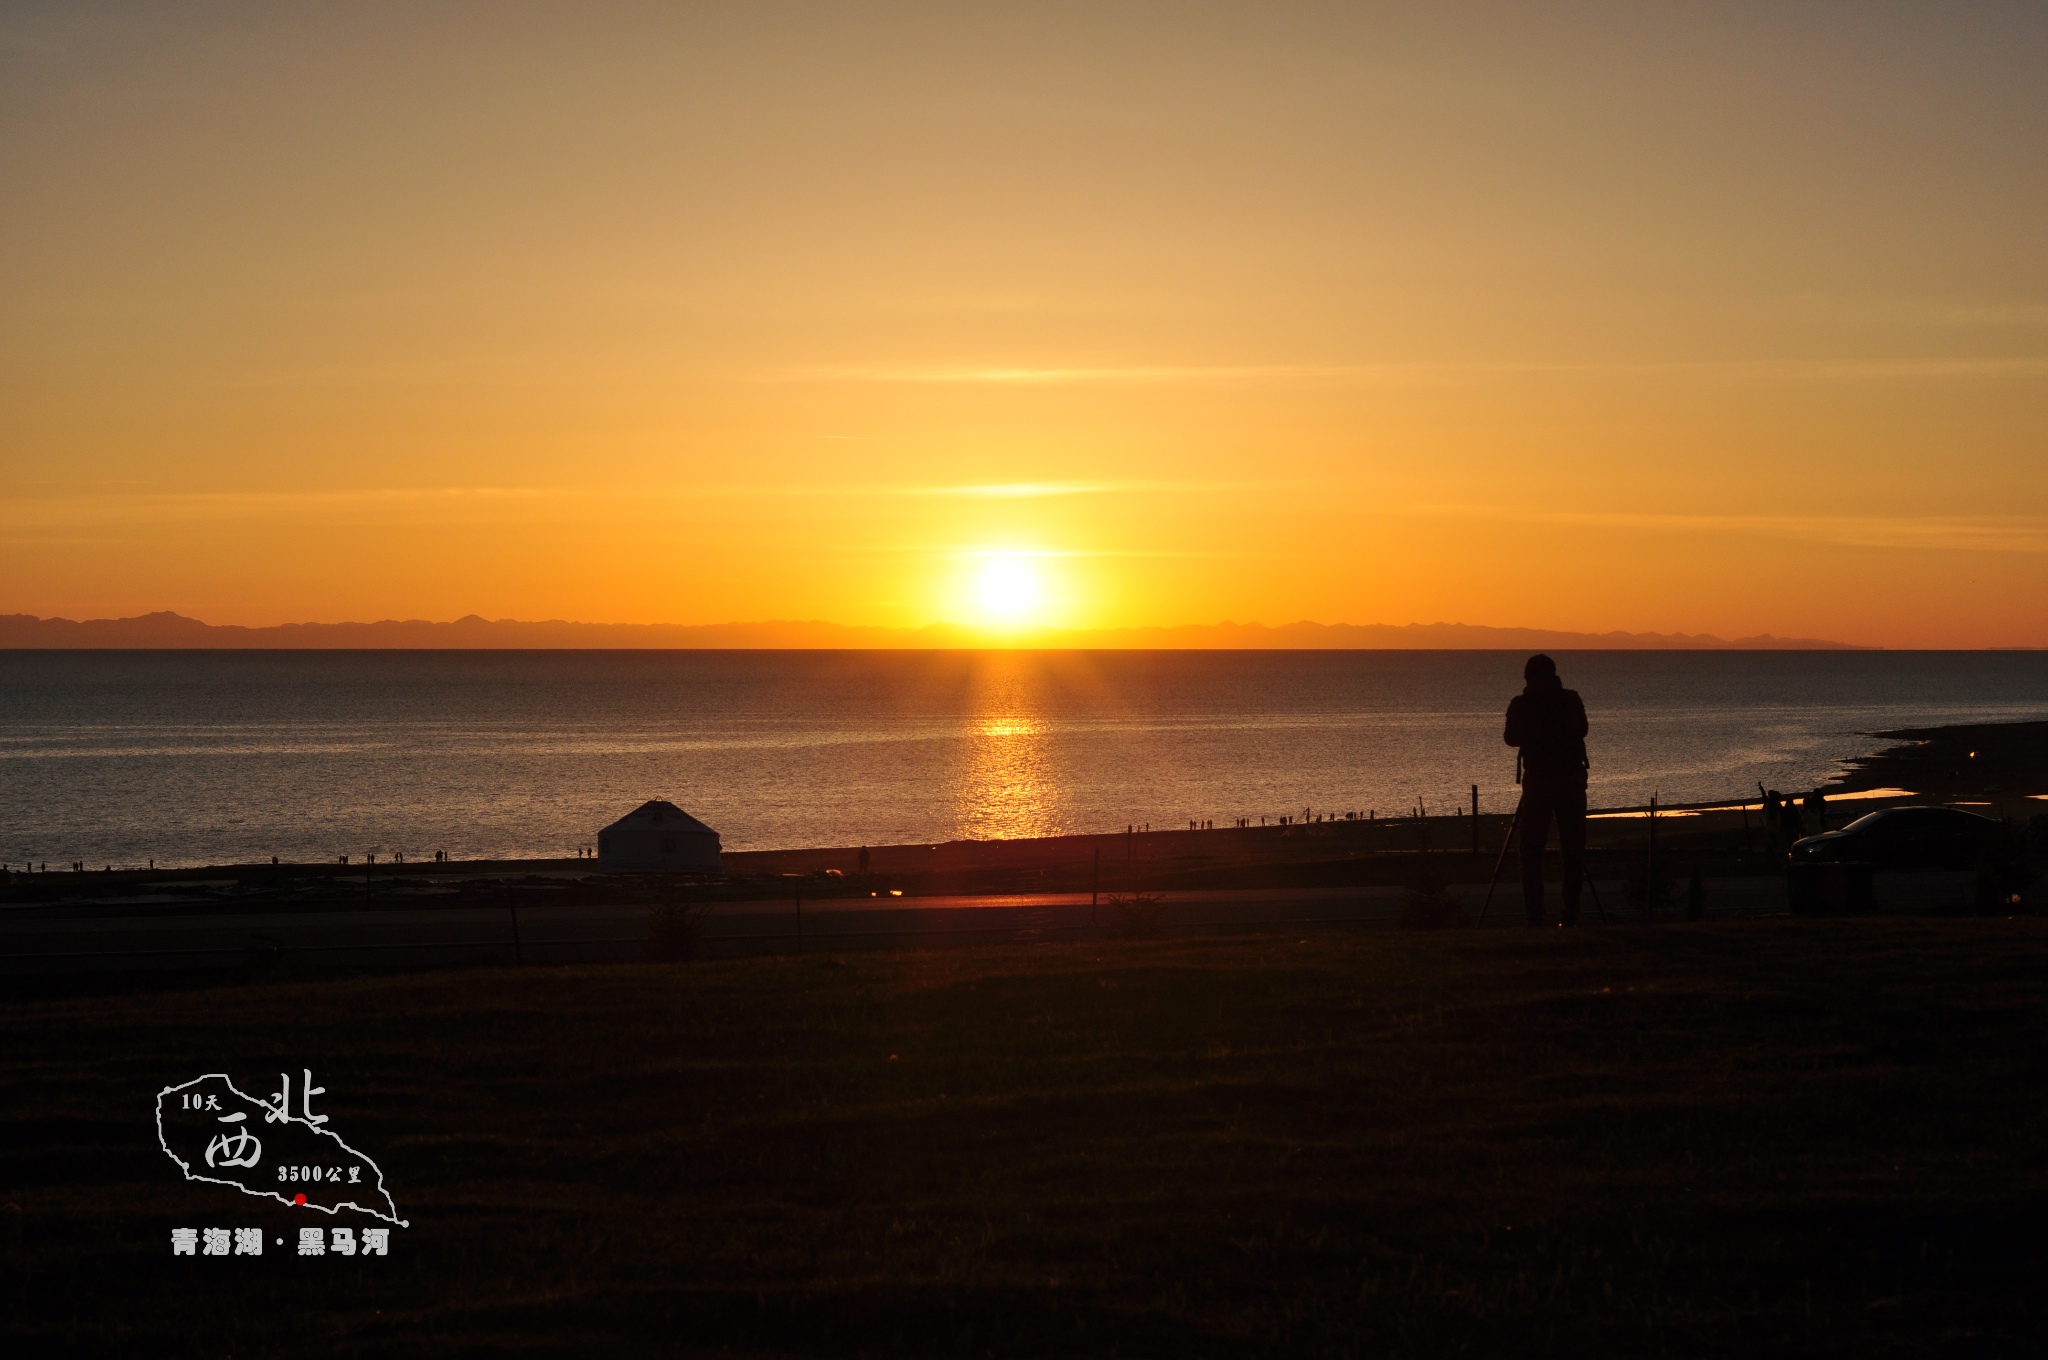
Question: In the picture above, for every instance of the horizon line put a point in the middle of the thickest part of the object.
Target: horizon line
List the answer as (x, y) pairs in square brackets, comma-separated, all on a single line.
[(167, 629)]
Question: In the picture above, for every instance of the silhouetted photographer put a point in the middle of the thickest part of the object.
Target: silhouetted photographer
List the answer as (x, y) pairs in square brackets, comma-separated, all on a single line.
[(1547, 723)]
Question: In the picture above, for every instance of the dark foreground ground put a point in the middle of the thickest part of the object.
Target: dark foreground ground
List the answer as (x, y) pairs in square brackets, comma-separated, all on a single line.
[(1776, 1137)]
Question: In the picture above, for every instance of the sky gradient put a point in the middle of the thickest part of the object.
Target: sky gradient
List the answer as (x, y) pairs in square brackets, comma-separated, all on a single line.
[(1725, 319)]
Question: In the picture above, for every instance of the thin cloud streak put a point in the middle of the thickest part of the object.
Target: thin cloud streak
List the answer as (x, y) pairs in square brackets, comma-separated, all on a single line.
[(1133, 487), (1014, 491), (1945, 533), (985, 550), (1426, 374), (176, 504)]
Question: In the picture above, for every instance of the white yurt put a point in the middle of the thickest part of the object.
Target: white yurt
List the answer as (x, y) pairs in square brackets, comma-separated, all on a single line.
[(657, 837)]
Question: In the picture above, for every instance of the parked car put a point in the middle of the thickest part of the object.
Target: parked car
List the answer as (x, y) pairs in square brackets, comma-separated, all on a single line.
[(1906, 838)]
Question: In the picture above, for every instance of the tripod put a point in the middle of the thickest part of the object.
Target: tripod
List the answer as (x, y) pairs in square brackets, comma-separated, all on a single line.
[(1502, 859)]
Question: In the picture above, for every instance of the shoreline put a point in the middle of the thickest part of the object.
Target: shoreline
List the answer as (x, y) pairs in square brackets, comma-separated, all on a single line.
[(1331, 875), (2001, 764), (1998, 768)]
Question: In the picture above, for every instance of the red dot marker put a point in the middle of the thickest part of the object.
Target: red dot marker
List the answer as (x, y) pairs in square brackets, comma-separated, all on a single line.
[(298, 1199)]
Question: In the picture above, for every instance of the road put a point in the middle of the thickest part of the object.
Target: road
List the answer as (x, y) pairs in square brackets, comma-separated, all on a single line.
[(188, 937)]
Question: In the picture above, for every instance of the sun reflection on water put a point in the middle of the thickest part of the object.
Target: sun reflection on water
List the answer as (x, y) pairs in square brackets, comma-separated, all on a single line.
[(1006, 785)]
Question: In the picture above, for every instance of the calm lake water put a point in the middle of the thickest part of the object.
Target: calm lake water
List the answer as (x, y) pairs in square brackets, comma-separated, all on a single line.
[(195, 758)]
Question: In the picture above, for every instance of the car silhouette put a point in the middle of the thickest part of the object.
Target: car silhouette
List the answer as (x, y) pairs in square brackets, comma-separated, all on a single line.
[(1905, 838)]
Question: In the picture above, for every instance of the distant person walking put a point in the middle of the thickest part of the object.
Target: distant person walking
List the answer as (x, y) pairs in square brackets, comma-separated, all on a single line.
[(1786, 825), (1816, 818), (1547, 724)]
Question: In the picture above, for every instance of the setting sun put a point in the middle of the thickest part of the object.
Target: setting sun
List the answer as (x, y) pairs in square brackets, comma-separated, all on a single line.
[(1008, 592)]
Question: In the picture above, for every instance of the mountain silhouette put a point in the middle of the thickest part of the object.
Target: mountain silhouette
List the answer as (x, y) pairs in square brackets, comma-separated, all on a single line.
[(165, 629)]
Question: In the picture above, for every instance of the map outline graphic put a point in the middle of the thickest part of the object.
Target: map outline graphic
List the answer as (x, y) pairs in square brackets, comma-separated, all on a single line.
[(287, 1118)]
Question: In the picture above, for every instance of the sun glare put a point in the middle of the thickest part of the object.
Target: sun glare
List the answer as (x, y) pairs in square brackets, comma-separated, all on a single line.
[(1008, 592)]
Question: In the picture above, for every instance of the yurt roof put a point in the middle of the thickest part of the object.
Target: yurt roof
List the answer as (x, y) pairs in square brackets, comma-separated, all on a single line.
[(655, 815)]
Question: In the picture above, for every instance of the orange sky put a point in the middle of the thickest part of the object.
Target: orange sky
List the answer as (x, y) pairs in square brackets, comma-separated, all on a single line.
[(1621, 317)]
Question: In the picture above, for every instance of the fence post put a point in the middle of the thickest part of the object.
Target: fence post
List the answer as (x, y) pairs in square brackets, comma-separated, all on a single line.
[(1650, 868), (1475, 819), (512, 908)]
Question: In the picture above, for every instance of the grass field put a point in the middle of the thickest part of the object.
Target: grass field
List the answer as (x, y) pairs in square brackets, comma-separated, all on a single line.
[(1742, 1138)]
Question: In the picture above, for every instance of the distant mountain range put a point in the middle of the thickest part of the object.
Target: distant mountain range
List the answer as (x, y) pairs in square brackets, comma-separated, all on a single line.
[(168, 630)]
